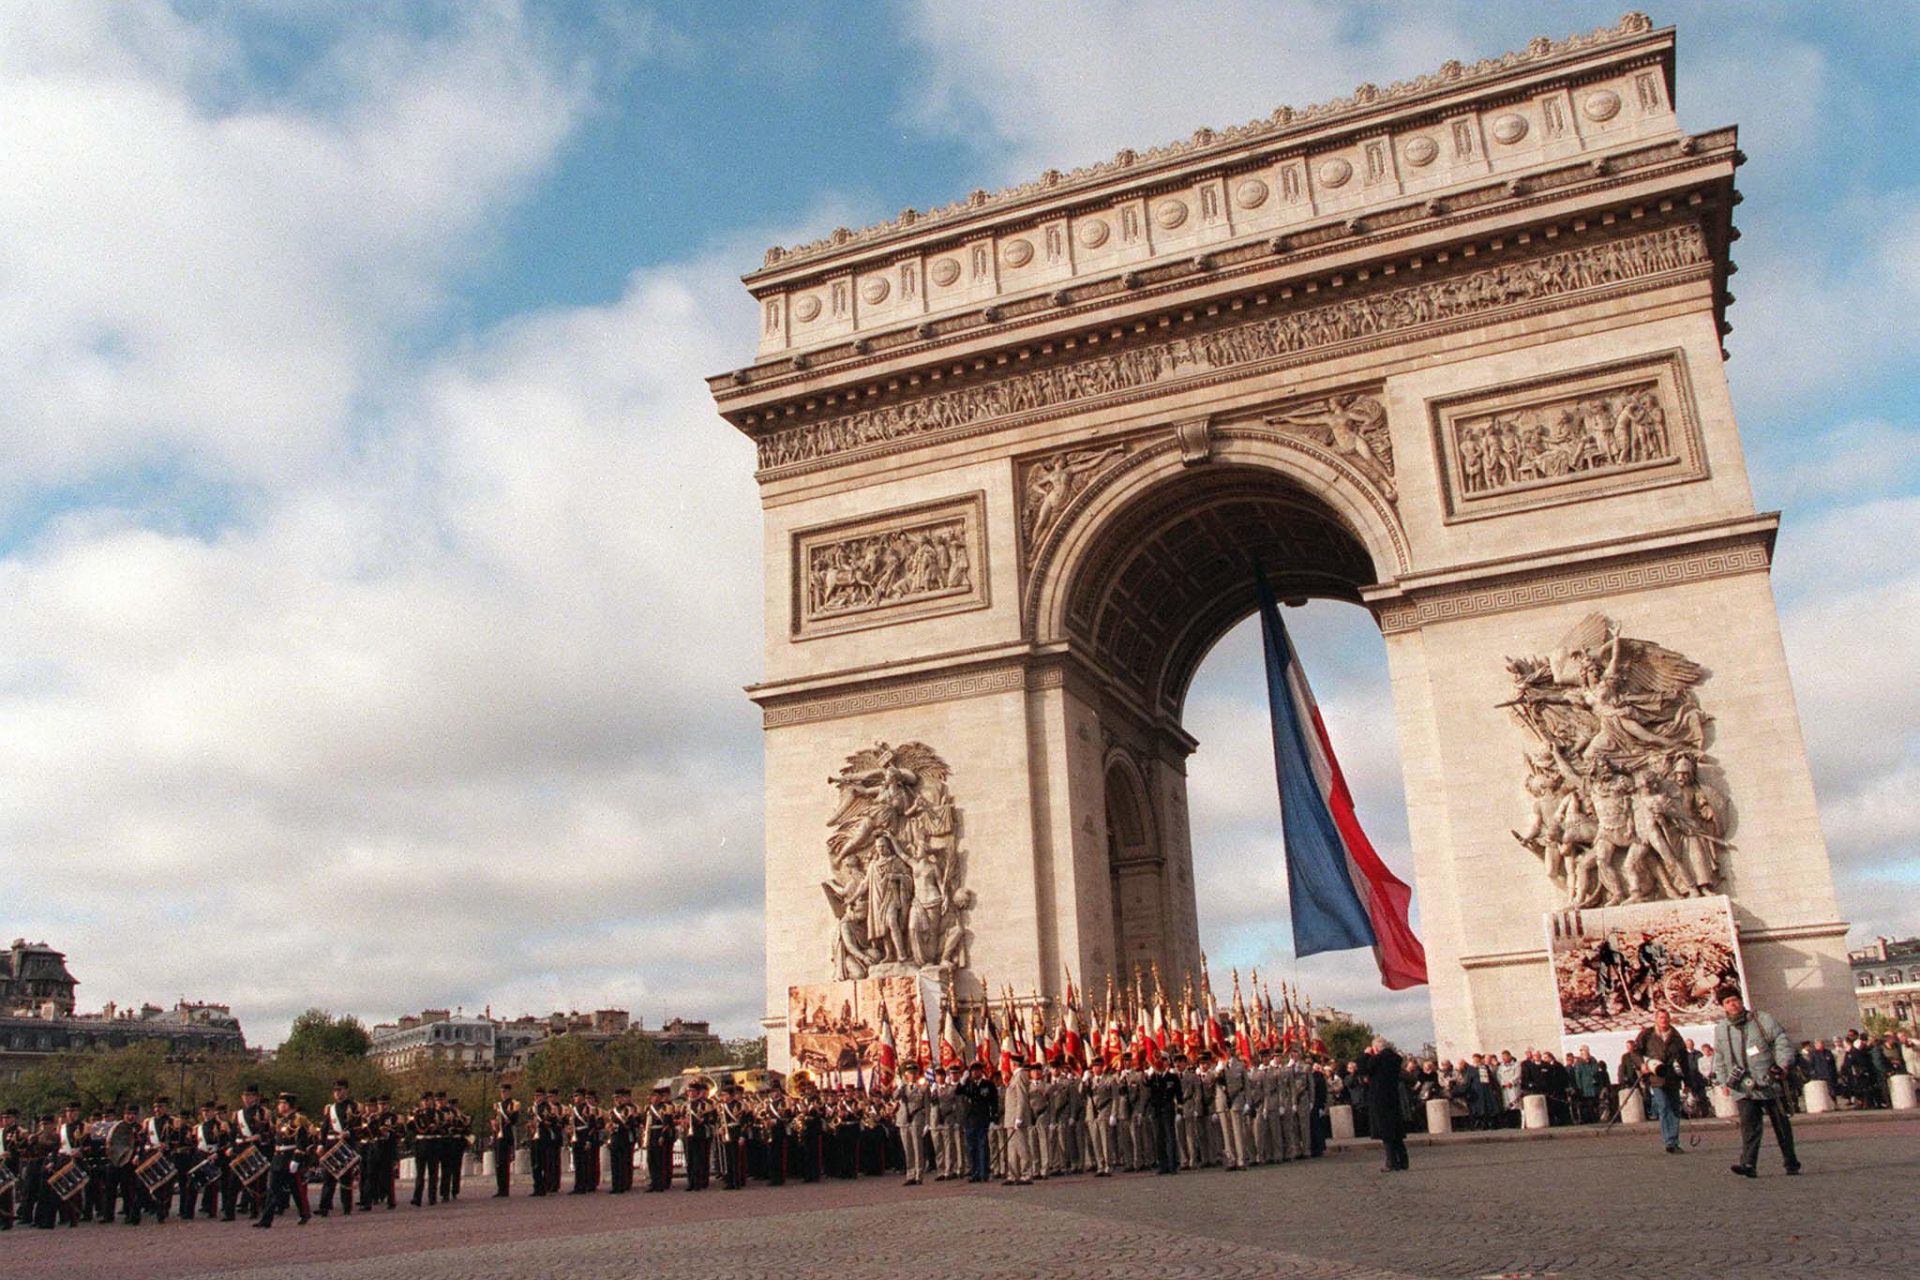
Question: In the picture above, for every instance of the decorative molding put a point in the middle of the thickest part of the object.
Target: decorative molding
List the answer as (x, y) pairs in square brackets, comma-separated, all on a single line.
[(895, 566), (1503, 959), (1195, 437), (1365, 99), (916, 691), (1387, 314), (1568, 437), (1562, 585)]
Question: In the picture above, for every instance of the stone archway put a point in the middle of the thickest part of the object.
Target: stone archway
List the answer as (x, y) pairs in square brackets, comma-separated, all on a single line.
[(1449, 351)]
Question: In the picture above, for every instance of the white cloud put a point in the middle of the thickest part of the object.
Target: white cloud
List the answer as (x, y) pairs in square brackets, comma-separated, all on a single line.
[(451, 710), (198, 269), (1066, 85)]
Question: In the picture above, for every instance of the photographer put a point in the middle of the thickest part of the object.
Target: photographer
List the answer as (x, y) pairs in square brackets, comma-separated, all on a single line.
[(1664, 1070), (1751, 1053)]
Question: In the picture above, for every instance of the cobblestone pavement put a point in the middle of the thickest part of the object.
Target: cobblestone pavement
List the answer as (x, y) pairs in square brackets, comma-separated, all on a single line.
[(1604, 1207)]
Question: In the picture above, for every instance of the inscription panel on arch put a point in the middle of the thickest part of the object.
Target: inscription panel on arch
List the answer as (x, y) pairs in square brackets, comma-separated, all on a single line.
[(897, 566), (1567, 437)]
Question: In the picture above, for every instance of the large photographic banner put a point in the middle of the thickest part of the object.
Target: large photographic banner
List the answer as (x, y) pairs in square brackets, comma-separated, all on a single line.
[(833, 1028), (1615, 967)]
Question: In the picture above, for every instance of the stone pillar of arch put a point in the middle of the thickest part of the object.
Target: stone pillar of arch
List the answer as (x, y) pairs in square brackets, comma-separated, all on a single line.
[(1450, 352)]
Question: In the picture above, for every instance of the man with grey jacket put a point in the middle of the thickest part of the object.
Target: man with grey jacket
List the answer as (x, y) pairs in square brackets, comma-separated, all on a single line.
[(913, 1107), (1751, 1053)]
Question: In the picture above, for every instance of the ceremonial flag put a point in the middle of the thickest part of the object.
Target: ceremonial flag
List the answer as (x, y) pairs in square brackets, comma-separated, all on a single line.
[(889, 1048), (1342, 896)]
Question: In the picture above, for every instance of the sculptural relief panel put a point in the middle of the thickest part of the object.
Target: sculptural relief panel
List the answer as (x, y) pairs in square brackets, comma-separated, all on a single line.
[(897, 874), (1623, 803), (1612, 429), (914, 562)]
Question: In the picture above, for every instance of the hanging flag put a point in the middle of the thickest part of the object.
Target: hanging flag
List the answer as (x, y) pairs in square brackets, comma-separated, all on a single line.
[(1342, 896)]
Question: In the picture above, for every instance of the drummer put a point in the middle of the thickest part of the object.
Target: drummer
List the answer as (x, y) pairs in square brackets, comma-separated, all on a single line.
[(126, 1147)]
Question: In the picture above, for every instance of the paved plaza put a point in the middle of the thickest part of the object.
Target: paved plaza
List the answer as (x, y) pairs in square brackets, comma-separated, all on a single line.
[(1586, 1206)]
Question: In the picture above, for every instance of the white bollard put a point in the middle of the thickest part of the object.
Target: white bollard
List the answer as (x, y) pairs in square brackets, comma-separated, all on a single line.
[(1341, 1118), (523, 1161), (1533, 1111), (1439, 1116), (1817, 1097), (1722, 1101), (486, 1164), (1905, 1096), (406, 1168), (1633, 1106)]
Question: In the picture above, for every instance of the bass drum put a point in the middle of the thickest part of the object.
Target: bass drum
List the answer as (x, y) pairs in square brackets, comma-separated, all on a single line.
[(120, 1144)]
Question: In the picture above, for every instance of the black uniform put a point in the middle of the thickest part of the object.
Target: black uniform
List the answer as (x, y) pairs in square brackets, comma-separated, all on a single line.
[(339, 1122), (1382, 1072), (698, 1142), (504, 1122), (658, 1127), (620, 1122)]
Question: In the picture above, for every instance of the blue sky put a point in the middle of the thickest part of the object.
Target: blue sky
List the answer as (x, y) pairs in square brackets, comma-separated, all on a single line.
[(366, 529)]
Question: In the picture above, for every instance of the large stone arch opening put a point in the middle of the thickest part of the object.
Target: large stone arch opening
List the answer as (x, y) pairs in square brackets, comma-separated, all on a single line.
[(1166, 569)]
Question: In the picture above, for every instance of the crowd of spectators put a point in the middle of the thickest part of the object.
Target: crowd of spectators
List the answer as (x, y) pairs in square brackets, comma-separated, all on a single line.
[(1484, 1091)]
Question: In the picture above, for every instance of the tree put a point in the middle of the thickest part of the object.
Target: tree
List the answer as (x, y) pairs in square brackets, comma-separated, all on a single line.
[(745, 1053), (318, 1034), (1346, 1041)]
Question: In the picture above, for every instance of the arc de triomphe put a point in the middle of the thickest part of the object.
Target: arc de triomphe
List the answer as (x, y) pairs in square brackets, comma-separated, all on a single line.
[(1449, 350)]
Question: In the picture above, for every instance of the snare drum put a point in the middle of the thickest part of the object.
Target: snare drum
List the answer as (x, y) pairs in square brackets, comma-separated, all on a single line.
[(67, 1181), (249, 1166), (155, 1172)]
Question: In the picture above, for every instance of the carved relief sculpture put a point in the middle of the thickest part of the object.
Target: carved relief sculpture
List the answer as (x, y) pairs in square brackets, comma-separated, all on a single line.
[(1353, 425), (899, 565), (896, 888), (1616, 806), (1050, 483), (1548, 443), (1363, 317), (888, 568), (1572, 436)]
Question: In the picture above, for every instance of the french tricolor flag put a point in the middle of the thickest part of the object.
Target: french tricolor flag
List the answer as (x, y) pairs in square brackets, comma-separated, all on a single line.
[(1341, 894)]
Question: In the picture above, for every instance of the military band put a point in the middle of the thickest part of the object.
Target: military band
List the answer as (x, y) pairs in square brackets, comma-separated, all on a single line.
[(1017, 1121)]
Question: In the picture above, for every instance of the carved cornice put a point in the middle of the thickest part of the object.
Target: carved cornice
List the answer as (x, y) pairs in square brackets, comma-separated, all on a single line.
[(1285, 121), (1749, 552), (893, 694), (1378, 317), (1337, 234)]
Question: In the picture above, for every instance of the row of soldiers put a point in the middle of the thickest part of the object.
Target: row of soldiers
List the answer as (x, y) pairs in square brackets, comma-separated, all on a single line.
[(253, 1161), (1027, 1121), (1148, 1111)]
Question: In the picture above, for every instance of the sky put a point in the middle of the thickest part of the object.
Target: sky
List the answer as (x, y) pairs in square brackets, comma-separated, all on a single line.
[(377, 584)]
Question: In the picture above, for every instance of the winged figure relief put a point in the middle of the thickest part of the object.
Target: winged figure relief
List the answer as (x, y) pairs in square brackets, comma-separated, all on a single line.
[(1353, 425), (1617, 809)]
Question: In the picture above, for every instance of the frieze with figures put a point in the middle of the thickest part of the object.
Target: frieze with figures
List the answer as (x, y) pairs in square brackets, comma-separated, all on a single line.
[(900, 565), (1365, 317), (1571, 436)]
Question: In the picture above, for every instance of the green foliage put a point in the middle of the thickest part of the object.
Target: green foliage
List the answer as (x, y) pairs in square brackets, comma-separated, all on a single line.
[(745, 1053), (318, 1034), (307, 1069), (1877, 1024), (1346, 1041)]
